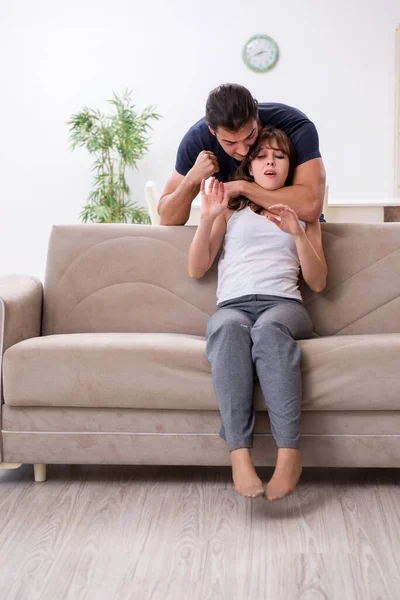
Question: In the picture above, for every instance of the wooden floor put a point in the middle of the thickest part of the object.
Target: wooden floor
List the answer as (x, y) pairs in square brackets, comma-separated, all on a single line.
[(122, 533)]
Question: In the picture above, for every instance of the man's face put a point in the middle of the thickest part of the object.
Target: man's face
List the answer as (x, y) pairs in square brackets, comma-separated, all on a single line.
[(237, 144)]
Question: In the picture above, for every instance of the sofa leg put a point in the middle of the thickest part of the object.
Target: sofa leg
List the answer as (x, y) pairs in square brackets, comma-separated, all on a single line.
[(40, 473), (6, 466)]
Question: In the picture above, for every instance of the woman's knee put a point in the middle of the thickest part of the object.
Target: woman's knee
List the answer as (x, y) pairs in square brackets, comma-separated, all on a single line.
[(270, 330), (226, 322), (297, 328)]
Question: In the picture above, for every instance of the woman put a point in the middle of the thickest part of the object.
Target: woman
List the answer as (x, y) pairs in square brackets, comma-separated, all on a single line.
[(260, 313)]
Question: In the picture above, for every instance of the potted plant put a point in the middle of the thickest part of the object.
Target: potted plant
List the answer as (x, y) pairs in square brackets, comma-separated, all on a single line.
[(117, 141)]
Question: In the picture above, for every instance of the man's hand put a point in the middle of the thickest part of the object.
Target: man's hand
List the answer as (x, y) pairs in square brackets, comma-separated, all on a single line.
[(233, 188), (205, 166)]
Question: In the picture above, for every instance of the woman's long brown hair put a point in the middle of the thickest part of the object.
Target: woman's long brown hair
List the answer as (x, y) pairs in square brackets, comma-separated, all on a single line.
[(268, 136)]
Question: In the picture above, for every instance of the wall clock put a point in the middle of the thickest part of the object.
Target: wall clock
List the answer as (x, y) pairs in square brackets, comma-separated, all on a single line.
[(260, 53)]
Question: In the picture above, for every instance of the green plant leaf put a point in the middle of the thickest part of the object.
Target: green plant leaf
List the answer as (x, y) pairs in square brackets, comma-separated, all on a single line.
[(117, 140)]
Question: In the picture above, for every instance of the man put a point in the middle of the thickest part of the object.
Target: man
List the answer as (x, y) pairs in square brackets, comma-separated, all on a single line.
[(217, 144)]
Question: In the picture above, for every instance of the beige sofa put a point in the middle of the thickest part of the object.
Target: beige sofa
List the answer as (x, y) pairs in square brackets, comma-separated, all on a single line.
[(108, 365)]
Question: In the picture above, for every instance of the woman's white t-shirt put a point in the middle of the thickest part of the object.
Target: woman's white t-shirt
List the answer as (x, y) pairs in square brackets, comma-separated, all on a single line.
[(257, 258)]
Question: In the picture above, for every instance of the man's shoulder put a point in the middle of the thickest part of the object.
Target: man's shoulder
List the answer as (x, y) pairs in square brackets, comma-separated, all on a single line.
[(199, 134), (301, 131), (276, 111)]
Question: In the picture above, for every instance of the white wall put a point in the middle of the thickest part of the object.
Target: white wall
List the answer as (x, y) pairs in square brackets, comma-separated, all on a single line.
[(336, 64)]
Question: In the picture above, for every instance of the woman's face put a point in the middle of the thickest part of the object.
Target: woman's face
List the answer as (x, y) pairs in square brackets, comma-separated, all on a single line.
[(270, 167)]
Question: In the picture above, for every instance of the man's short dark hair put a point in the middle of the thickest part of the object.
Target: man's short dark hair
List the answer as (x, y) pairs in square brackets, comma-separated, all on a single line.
[(230, 106)]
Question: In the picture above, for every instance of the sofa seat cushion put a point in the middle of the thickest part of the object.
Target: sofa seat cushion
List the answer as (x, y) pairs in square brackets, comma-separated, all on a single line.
[(122, 370), (171, 371)]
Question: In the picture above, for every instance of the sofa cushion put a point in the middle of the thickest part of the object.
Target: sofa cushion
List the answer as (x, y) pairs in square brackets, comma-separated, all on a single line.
[(171, 371)]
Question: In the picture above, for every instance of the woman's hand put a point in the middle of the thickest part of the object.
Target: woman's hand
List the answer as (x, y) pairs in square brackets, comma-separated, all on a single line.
[(215, 201), (288, 220)]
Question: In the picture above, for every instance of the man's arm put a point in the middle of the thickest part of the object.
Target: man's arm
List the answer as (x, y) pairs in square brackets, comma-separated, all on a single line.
[(176, 200), (180, 190), (305, 196)]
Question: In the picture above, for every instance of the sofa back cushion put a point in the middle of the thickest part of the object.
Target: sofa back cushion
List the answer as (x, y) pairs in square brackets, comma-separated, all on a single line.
[(134, 278)]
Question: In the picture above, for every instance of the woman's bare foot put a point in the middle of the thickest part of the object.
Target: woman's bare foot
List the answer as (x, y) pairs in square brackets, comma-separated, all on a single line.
[(247, 482), (286, 475)]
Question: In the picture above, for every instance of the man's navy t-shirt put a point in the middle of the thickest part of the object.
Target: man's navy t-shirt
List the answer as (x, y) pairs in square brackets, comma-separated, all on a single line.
[(293, 122)]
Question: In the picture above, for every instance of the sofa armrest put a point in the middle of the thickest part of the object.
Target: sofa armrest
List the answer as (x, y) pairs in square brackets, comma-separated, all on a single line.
[(21, 298)]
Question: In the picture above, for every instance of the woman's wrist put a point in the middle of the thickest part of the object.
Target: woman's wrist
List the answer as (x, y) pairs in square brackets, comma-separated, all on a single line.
[(207, 220), (299, 237)]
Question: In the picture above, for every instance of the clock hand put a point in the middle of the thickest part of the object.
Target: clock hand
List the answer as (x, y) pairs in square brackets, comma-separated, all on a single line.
[(258, 53)]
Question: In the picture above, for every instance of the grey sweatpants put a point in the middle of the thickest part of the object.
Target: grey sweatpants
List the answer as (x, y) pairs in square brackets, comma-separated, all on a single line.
[(255, 334)]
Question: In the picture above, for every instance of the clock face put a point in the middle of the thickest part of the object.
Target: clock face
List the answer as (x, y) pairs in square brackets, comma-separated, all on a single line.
[(260, 53)]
